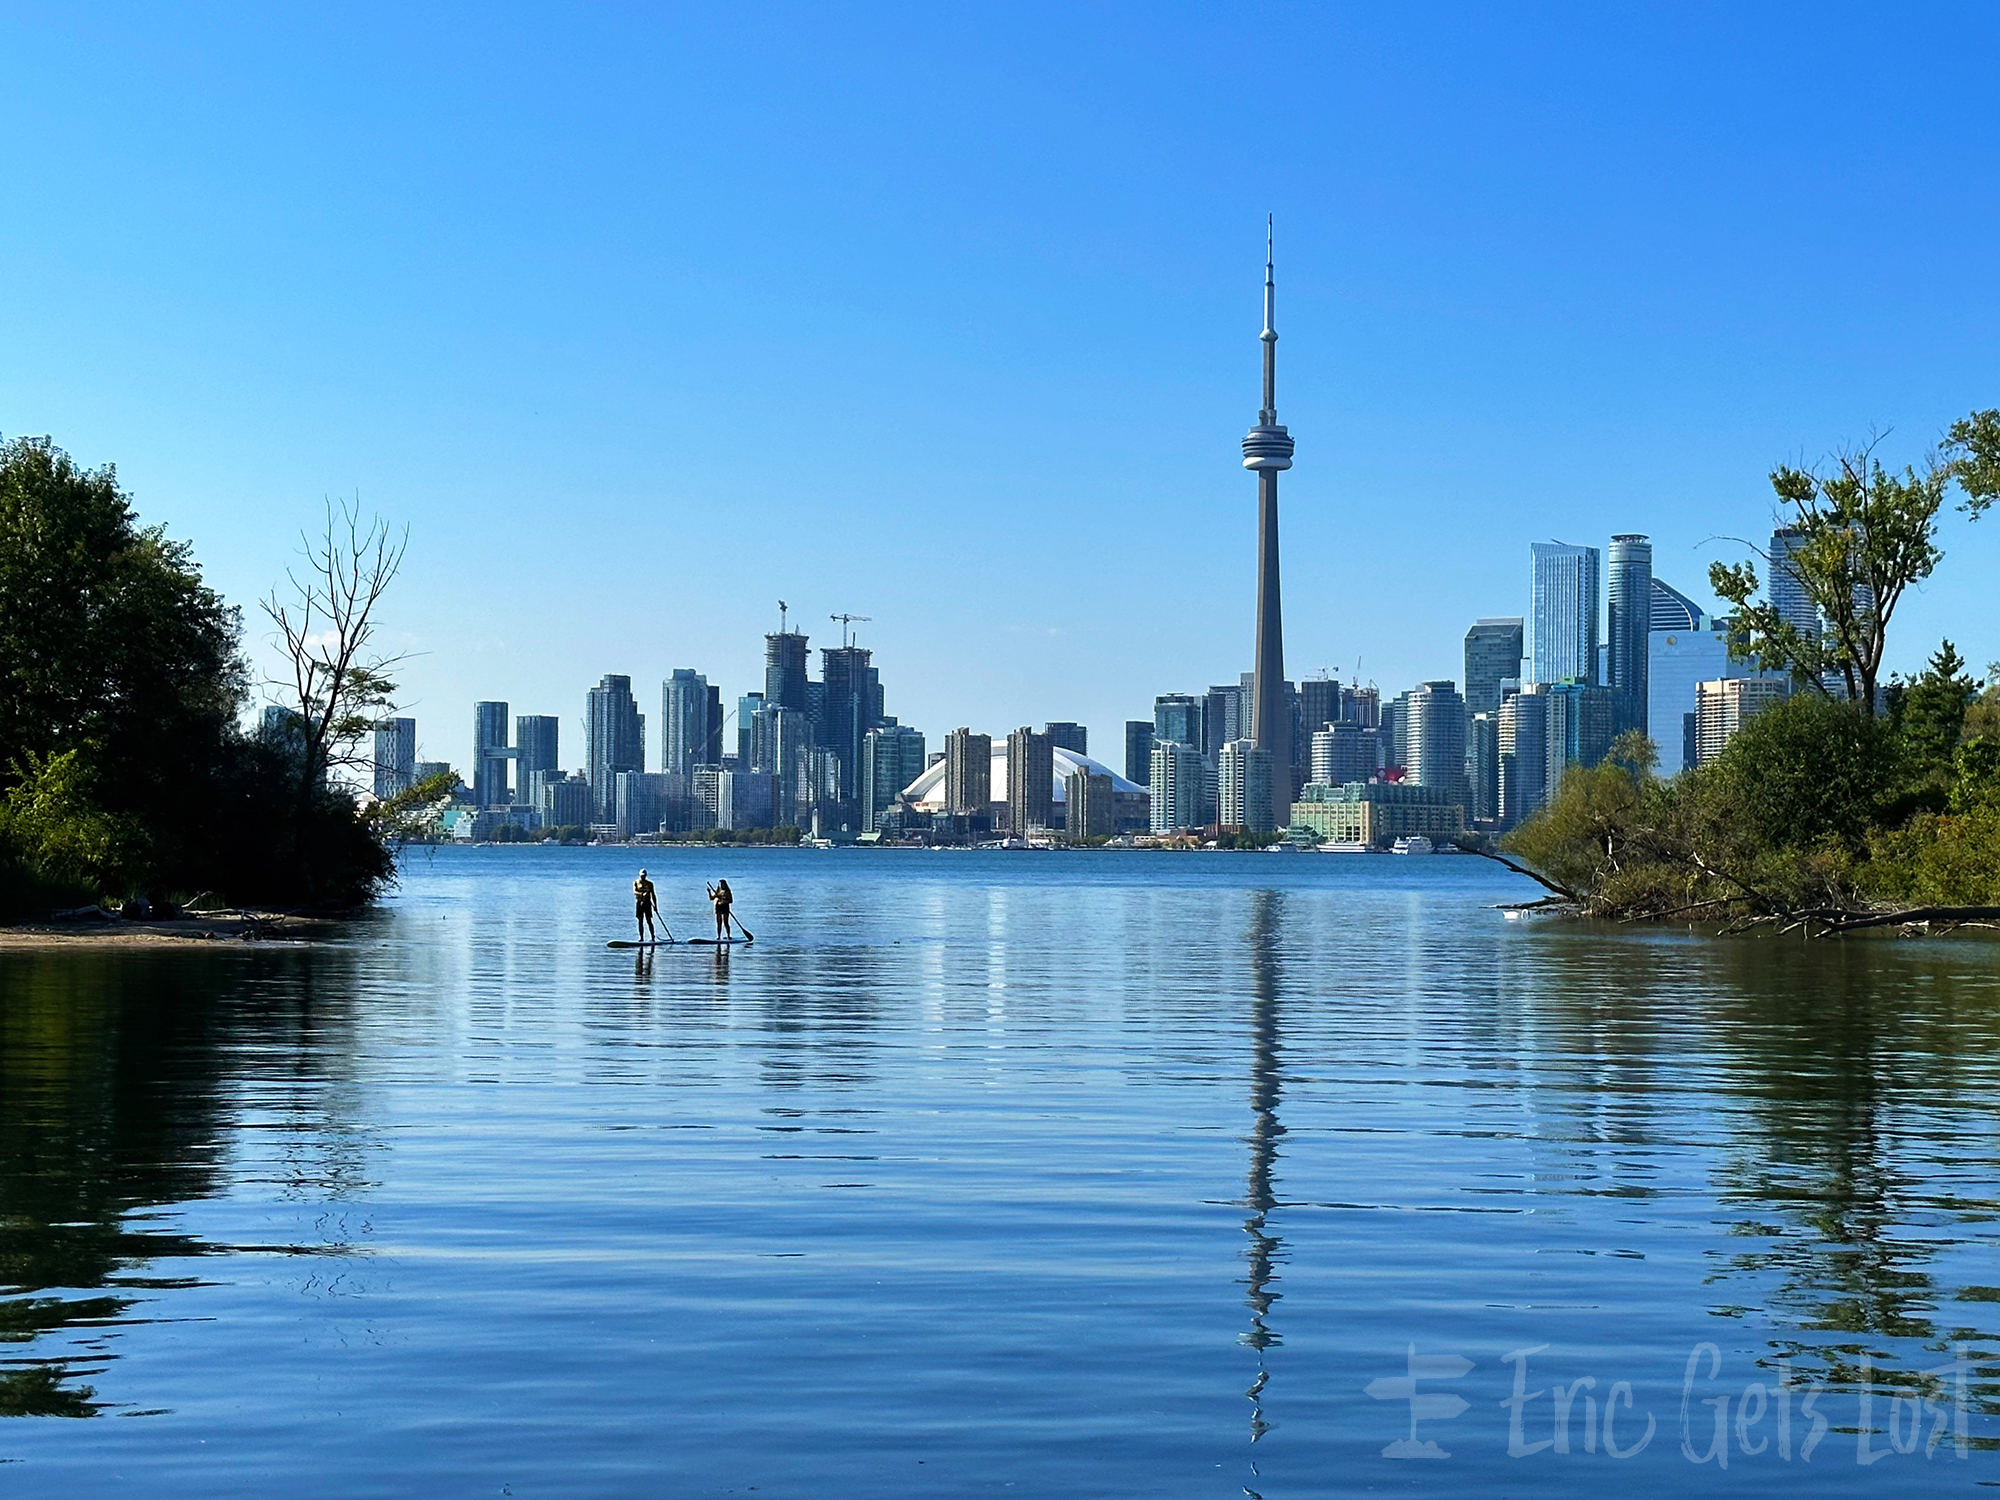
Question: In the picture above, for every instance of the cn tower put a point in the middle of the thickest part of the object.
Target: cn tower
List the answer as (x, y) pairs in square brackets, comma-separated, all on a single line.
[(1267, 450)]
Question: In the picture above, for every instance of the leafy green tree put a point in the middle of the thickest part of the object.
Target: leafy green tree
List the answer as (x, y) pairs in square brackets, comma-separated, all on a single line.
[(1866, 536)]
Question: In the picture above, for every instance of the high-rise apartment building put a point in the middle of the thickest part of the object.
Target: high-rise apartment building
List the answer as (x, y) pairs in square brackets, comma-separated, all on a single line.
[(1580, 722), (850, 706), (490, 754), (1482, 768), (1243, 788), (748, 799), (564, 802), (1524, 753), (779, 748), (1178, 779), (1562, 617), (1344, 752), (536, 750), (1031, 770), (785, 670), (615, 735), (643, 800), (1138, 751), (1180, 717), (690, 727), (1362, 705), (1726, 705), (1225, 713), (747, 709), (1492, 661), (1089, 805), (1319, 704), (891, 758), (968, 773), (1065, 735), (1630, 616), (1434, 739), (395, 758)]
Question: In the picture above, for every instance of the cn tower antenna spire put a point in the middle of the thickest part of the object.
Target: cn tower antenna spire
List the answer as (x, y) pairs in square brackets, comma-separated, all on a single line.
[(1269, 415)]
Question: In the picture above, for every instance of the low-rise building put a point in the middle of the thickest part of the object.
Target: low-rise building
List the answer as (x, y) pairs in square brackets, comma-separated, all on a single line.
[(1377, 813)]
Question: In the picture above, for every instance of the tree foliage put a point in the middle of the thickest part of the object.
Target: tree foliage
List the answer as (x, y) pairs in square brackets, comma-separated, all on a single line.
[(122, 765), (1865, 536)]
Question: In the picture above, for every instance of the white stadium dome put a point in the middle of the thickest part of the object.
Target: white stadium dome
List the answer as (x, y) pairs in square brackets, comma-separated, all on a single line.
[(926, 793)]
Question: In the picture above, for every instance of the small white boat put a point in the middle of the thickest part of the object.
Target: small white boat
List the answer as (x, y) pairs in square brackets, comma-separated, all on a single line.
[(1415, 843), (1344, 846)]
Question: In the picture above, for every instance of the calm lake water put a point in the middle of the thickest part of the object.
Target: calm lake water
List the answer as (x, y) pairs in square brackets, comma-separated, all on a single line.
[(1091, 1175)]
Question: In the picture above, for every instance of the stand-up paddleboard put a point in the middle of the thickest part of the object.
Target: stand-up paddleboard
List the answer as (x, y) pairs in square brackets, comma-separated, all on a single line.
[(679, 943)]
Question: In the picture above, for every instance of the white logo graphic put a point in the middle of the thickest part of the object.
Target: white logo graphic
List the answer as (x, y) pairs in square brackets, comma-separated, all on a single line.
[(1425, 1406)]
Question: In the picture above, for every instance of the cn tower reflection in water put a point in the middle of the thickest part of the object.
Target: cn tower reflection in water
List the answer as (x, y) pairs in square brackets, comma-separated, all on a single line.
[(1259, 1192)]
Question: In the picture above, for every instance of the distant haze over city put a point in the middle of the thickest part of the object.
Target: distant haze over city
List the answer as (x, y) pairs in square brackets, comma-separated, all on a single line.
[(639, 336)]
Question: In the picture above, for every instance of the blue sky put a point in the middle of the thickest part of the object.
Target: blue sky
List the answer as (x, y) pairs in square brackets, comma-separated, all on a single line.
[(643, 318)]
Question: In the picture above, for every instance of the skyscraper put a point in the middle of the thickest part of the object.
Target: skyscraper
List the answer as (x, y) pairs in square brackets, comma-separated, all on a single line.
[(1031, 786), (1482, 768), (1434, 739), (687, 706), (1630, 628), (1089, 805), (536, 747), (615, 735), (1138, 751), (1243, 795), (1181, 718), (746, 729), (785, 670), (1065, 735), (1267, 452), (1579, 728), (1524, 753), (968, 773), (850, 706), (1492, 657), (490, 754), (1562, 619), (891, 758), (395, 756), (1319, 704), (1224, 717), (1178, 779), (1787, 590)]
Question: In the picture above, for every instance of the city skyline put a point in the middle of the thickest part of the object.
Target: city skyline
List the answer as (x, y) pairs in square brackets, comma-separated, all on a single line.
[(925, 320)]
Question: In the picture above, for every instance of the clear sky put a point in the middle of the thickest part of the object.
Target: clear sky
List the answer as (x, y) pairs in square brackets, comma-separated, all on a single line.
[(643, 318)]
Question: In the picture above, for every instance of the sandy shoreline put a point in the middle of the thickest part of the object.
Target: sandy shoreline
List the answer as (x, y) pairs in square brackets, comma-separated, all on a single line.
[(181, 932)]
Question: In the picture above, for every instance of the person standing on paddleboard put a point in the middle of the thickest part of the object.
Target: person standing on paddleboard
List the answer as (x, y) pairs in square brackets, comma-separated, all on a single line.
[(647, 901), (719, 894)]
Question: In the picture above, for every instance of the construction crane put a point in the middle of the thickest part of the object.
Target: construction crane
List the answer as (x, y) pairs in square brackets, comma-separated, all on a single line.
[(782, 607), (846, 620)]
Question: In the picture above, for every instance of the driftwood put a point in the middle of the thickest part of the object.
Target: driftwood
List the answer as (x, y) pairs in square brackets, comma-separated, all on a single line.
[(1911, 917), (1520, 869)]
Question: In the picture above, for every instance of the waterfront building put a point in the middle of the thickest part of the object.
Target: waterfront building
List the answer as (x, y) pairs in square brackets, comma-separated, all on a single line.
[(891, 758), (690, 722), (1243, 787), (1031, 769), (1492, 660), (1138, 751), (643, 800), (1344, 752), (1580, 722), (615, 736), (1179, 782), (536, 746), (1630, 623), (747, 708), (749, 799), (968, 773), (785, 670), (1562, 617), (1377, 813), (490, 754), (1065, 735), (1725, 705), (850, 706), (705, 796), (565, 802), (395, 757), (927, 794), (1089, 805), (1182, 718), (1524, 753), (1432, 726), (1267, 452)]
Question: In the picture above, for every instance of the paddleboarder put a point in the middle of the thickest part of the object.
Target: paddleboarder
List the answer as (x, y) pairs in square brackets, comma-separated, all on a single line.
[(719, 894), (646, 901)]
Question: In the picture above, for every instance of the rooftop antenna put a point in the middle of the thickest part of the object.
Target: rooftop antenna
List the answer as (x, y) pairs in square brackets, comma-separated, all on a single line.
[(844, 621)]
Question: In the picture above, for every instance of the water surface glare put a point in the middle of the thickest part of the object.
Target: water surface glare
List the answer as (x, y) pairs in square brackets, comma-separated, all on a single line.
[(1061, 1174)]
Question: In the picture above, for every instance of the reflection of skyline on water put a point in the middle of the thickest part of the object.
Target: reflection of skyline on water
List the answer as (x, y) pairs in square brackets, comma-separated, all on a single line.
[(953, 1141)]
